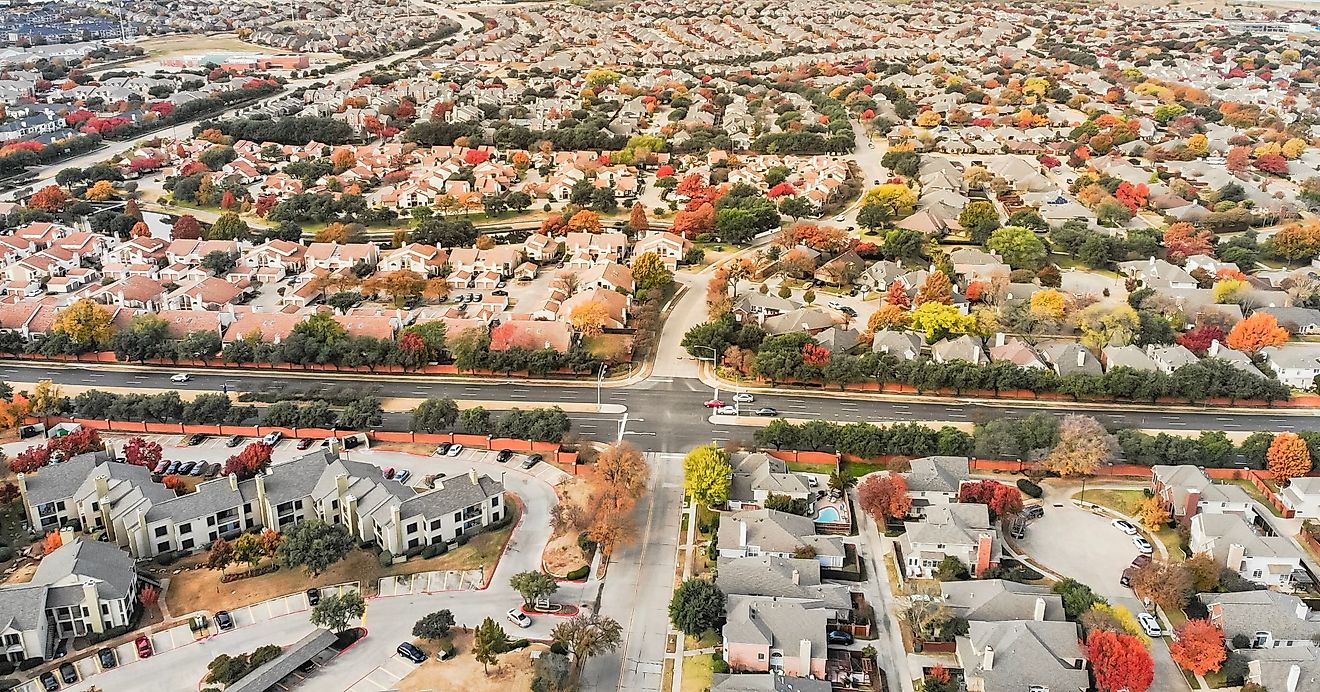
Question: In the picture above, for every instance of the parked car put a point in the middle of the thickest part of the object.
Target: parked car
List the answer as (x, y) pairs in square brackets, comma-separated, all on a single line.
[(224, 621), (173, 467), (519, 618), (813, 482), (839, 637), (403, 476), (181, 377), (1141, 561), (743, 398), (1143, 545), (306, 443), (713, 403), (410, 652), (835, 304), (273, 438), (388, 472), (443, 449), (68, 673), (107, 658), (143, 646), (847, 310), (186, 468), (214, 470), (474, 297), (500, 293), (313, 596), (727, 410), (29, 431), (161, 467), (1125, 526), (234, 441), (838, 219), (454, 450), (504, 455), (1034, 511), (194, 439), (49, 682), (351, 441), (767, 411), (1150, 625), (531, 461)]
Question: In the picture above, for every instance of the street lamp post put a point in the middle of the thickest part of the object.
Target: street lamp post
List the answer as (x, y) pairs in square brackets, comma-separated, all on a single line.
[(713, 355), (600, 380)]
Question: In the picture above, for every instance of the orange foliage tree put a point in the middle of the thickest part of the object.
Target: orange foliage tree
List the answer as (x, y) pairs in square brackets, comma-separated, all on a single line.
[(1199, 647), (1119, 662), (884, 496), (51, 542), (1288, 457), (1256, 332)]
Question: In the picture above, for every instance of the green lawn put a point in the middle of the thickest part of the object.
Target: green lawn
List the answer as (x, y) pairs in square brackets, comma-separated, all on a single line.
[(854, 469), (1255, 494), (698, 671), (1125, 502), (707, 639), (806, 467)]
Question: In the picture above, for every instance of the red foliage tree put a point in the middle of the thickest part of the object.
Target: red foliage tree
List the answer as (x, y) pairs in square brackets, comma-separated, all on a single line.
[(1000, 499), (1199, 647), (692, 185), (227, 200), (664, 171), (1119, 662), (1132, 196), (30, 459), (50, 198), (897, 295), (976, 291), (1198, 338), (174, 482), (1272, 163), (781, 190), (1182, 239), (818, 356), (148, 596), (186, 227), (473, 157), (80, 441), (248, 462), (264, 204), (884, 496), (141, 452)]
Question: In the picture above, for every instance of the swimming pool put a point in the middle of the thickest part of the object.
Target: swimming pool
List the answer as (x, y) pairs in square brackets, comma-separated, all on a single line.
[(828, 515)]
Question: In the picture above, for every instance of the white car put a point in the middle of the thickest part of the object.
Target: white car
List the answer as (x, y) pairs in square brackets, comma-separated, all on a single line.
[(181, 377), (455, 450), (1125, 526), (838, 219), (273, 438), (743, 398), (836, 305), (727, 410), (519, 618), (1143, 545), (1150, 625)]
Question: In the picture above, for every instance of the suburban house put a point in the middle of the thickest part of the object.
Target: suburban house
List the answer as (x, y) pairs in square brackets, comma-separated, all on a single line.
[(756, 476), (84, 587), (762, 634), (1186, 491), (146, 521), (774, 681), (1302, 496), (753, 532), (1023, 655), (1268, 619), (1234, 544), (1291, 669), (670, 247), (935, 481), (1295, 363), (957, 530), (423, 260), (998, 600), (785, 579)]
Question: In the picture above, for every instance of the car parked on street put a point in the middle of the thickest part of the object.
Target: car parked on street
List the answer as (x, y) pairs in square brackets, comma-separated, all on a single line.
[(743, 398), (273, 438), (161, 467), (181, 377), (143, 646), (714, 403), (1143, 545), (504, 455), (49, 682), (234, 441), (443, 449), (1150, 625), (1125, 526), (306, 443), (224, 621), (727, 410), (194, 439), (387, 472), (1141, 561), (519, 618), (454, 450), (531, 461), (767, 411), (106, 657), (173, 467), (403, 476)]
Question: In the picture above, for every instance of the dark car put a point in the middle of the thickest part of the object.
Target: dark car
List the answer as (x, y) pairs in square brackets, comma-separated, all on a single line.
[(443, 449), (305, 443), (161, 466), (1141, 561), (194, 439), (410, 652), (107, 658), (313, 596), (504, 455), (531, 461), (351, 442), (1034, 511), (224, 621), (213, 471), (68, 673), (839, 637), (49, 682), (500, 292), (29, 431), (186, 468), (234, 441), (173, 467), (766, 411)]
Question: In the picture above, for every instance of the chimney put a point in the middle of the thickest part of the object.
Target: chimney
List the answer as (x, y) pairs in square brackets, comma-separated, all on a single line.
[(1294, 678), (341, 484), (1213, 351), (92, 602), (22, 486), (742, 534), (472, 474), (804, 657), (1192, 502), (1039, 614), (1081, 357), (233, 482), (102, 487), (350, 514), (983, 546), (1000, 339), (988, 659), (397, 520), (1236, 553), (797, 577), (262, 512)]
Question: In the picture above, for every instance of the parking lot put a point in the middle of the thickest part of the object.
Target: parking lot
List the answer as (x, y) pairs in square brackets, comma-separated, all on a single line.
[(386, 676), (284, 605), (1097, 560), (430, 582)]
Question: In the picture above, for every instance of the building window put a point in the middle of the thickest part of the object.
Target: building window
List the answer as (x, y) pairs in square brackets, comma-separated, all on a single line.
[(494, 502), (162, 547), (410, 527), (162, 530), (458, 517), (185, 527), (435, 525), (187, 544)]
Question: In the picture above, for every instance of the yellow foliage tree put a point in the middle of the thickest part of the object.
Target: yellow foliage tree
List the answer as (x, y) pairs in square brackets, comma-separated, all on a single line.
[(888, 317), (1048, 303), (86, 322), (100, 191), (929, 119), (900, 198), (589, 318), (1153, 514)]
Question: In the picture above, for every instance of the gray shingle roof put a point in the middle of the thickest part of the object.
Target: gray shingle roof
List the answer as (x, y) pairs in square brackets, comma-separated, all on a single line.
[(765, 682), (778, 624), (1026, 653), (450, 495), (107, 563), (937, 474), (995, 600), (60, 481), (1282, 615), (767, 575)]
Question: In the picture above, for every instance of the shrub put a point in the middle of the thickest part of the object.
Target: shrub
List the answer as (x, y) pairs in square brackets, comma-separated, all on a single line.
[(6, 554), (166, 558), (516, 644), (579, 573), (558, 648), (718, 664), (461, 539), (414, 551), (263, 655), (386, 558), (429, 552), (585, 543), (1031, 489)]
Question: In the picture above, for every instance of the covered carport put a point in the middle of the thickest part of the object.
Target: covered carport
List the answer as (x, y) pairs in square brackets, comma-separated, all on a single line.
[(271, 675)]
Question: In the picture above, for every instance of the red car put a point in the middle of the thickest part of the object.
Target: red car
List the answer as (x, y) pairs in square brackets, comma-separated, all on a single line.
[(305, 443), (713, 403), (388, 472), (143, 645)]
